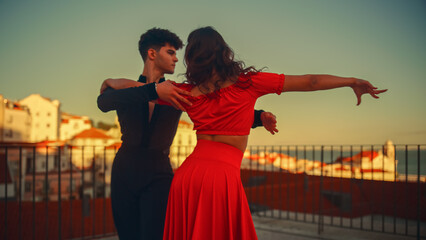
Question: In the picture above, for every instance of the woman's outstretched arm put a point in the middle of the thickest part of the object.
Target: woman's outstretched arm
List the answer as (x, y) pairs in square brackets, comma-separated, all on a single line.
[(315, 82)]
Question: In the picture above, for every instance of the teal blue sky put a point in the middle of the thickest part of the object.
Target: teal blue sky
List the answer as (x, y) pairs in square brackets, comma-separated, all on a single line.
[(65, 49)]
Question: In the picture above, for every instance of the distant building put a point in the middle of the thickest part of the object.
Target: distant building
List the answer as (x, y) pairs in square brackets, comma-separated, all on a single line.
[(15, 121), (71, 125), (183, 143), (45, 114), (115, 132), (89, 145)]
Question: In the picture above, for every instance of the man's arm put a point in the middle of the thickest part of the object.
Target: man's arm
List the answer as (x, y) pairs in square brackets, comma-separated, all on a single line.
[(119, 93), (265, 119), (113, 99)]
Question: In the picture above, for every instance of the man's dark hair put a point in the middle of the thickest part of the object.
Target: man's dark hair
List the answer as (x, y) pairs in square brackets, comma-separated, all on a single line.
[(156, 38)]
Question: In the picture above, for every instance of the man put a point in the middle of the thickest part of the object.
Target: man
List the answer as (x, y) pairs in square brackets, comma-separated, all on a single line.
[(141, 172)]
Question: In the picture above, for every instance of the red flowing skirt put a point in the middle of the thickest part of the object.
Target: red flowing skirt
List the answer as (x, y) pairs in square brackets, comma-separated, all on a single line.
[(207, 199)]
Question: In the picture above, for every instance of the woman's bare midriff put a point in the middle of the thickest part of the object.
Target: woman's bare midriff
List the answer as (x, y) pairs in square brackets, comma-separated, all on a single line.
[(239, 142)]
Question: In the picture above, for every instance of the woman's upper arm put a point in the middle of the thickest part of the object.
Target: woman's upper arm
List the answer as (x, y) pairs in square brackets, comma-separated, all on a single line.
[(297, 83)]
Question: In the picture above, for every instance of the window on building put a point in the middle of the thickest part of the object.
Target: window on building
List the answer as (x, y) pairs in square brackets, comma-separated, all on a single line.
[(8, 133), (71, 187), (179, 139), (48, 125), (56, 161), (46, 187), (28, 186), (37, 114), (48, 114)]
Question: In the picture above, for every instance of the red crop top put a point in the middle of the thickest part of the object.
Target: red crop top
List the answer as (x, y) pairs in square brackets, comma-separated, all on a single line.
[(229, 110)]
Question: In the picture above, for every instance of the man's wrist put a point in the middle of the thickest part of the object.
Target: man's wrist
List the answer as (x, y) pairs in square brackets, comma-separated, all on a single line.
[(257, 118)]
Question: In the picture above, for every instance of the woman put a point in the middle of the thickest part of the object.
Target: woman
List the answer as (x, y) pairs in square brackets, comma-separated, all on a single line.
[(207, 199)]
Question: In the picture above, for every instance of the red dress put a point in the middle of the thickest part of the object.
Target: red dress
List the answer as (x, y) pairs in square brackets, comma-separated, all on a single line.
[(207, 199)]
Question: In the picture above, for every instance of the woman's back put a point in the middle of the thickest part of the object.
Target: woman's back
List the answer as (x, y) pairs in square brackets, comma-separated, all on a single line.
[(226, 115)]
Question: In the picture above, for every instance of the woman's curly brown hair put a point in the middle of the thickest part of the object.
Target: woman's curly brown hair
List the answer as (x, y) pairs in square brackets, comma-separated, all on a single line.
[(207, 55)]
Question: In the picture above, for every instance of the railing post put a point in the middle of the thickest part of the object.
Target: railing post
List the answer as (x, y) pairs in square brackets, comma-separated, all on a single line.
[(46, 200), (320, 216), (20, 195), (104, 195), (94, 191), (418, 192), (59, 194), (71, 191), (6, 171), (33, 189)]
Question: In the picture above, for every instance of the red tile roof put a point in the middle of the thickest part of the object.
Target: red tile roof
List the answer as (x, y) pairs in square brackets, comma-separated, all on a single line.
[(92, 133), (116, 145), (182, 122)]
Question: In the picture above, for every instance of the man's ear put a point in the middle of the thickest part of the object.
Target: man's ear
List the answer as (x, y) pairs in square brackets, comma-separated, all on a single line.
[(152, 54)]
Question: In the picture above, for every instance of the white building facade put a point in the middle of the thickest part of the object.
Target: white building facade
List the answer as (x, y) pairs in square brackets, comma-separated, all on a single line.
[(15, 121), (183, 143), (45, 115), (72, 125)]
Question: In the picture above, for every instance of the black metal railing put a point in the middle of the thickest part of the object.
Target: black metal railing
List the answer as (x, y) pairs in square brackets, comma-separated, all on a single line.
[(55, 192), (369, 188), (62, 192)]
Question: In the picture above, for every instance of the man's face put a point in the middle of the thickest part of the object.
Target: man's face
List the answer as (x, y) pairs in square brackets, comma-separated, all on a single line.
[(166, 59)]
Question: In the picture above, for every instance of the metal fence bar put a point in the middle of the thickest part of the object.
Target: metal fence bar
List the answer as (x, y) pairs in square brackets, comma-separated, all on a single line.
[(351, 186), (313, 190), (46, 187), (71, 192), (305, 184), (406, 188), (295, 188), (280, 171), (418, 192), (82, 192), (394, 191), (6, 171), (320, 216), (383, 189), (272, 185), (288, 183), (59, 194), (104, 195), (362, 178), (257, 170), (19, 192), (372, 186), (332, 182), (264, 184), (94, 191), (341, 183), (33, 190)]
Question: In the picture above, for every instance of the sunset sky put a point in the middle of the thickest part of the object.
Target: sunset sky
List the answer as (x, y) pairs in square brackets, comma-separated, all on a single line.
[(65, 49)]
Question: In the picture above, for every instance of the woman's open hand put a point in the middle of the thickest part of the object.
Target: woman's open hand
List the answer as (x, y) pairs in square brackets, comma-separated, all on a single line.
[(361, 87)]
